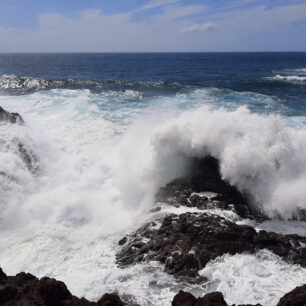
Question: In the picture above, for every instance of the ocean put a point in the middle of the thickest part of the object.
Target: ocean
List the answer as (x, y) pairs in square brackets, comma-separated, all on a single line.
[(108, 130)]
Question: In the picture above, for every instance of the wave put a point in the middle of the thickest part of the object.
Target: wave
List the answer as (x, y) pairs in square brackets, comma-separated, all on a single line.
[(263, 278), (102, 159), (10, 84), (295, 79), (259, 154), (137, 148)]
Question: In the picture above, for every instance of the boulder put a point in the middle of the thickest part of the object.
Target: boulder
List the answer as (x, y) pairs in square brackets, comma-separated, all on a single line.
[(296, 297)]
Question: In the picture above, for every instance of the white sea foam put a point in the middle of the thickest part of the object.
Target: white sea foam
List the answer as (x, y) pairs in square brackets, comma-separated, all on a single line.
[(249, 279), (289, 78), (103, 156), (259, 154)]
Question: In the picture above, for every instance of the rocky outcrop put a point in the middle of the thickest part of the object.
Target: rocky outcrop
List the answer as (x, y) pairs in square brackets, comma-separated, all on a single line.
[(24, 289), (186, 243), (6, 116), (296, 297), (204, 175), (186, 299), (18, 146)]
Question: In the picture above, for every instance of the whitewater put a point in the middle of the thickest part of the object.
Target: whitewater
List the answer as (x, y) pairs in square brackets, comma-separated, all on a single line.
[(100, 165)]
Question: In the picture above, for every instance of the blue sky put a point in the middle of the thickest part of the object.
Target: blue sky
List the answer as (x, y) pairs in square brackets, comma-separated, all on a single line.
[(152, 25)]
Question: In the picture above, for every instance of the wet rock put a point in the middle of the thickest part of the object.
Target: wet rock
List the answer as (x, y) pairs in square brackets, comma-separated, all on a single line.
[(29, 158), (122, 241), (24, 289), (110, 300), (17, 146), (211, 299), (296, 297), (204, 175), (185, 243), (183, 299), (6, 116)]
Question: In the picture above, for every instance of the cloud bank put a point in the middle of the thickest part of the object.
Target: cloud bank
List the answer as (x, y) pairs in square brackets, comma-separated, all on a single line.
[(174, 27)]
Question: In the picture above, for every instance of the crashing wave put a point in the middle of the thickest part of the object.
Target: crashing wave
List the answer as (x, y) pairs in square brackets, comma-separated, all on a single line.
[(295, 79), (23, 85), (258, 154)]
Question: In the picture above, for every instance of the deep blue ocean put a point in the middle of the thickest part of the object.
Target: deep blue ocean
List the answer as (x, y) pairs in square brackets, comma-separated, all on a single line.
[(281, 76)]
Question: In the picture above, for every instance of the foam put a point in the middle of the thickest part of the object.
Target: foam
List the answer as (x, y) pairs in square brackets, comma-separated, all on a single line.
[(249, 279), (102, 159), (289, 78), (259, 154)]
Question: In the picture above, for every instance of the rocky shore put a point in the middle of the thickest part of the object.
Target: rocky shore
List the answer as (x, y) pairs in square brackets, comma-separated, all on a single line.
[(24, 289)]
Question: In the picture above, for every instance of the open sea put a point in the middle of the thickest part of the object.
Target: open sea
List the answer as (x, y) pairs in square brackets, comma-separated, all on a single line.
[(108, 130)]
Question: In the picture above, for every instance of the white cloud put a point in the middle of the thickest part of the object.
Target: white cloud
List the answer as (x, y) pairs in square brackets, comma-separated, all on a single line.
[(157, 3), (200, 27), (92, 31)]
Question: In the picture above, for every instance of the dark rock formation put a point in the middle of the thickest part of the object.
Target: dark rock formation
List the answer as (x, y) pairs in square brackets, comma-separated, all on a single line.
[(10, 117), (297, 297), (183, 299), (24, 289), (186, 243), (204, 175), (29, 158), (17, 146), (210, 299)]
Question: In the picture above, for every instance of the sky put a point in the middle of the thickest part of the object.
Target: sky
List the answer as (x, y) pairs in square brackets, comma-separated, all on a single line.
[(152, 25)]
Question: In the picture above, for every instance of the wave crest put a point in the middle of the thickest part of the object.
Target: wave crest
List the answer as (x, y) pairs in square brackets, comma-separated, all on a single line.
[(259, 154)]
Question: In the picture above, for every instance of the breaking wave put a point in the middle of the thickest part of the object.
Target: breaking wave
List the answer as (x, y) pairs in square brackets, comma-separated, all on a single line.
[(11, 84), (103, 156), (290, 79), (259, 154)]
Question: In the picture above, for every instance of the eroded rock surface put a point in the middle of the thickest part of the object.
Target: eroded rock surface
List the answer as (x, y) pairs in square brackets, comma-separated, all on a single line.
[(186, 243), (24, 289)]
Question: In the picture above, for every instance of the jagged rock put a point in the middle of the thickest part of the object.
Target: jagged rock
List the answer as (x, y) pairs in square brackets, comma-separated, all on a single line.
[(186, 243), (209, 299), (6, 116), (17, 146), (24, 289), (29, 158), (296, 297), (204, 175)]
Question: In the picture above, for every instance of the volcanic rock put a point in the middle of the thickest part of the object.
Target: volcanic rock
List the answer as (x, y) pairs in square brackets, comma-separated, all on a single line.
[(24, 289), (186, 243), (296, 297)]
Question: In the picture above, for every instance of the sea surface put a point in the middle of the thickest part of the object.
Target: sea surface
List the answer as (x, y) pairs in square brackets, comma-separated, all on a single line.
[(109, 130)]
